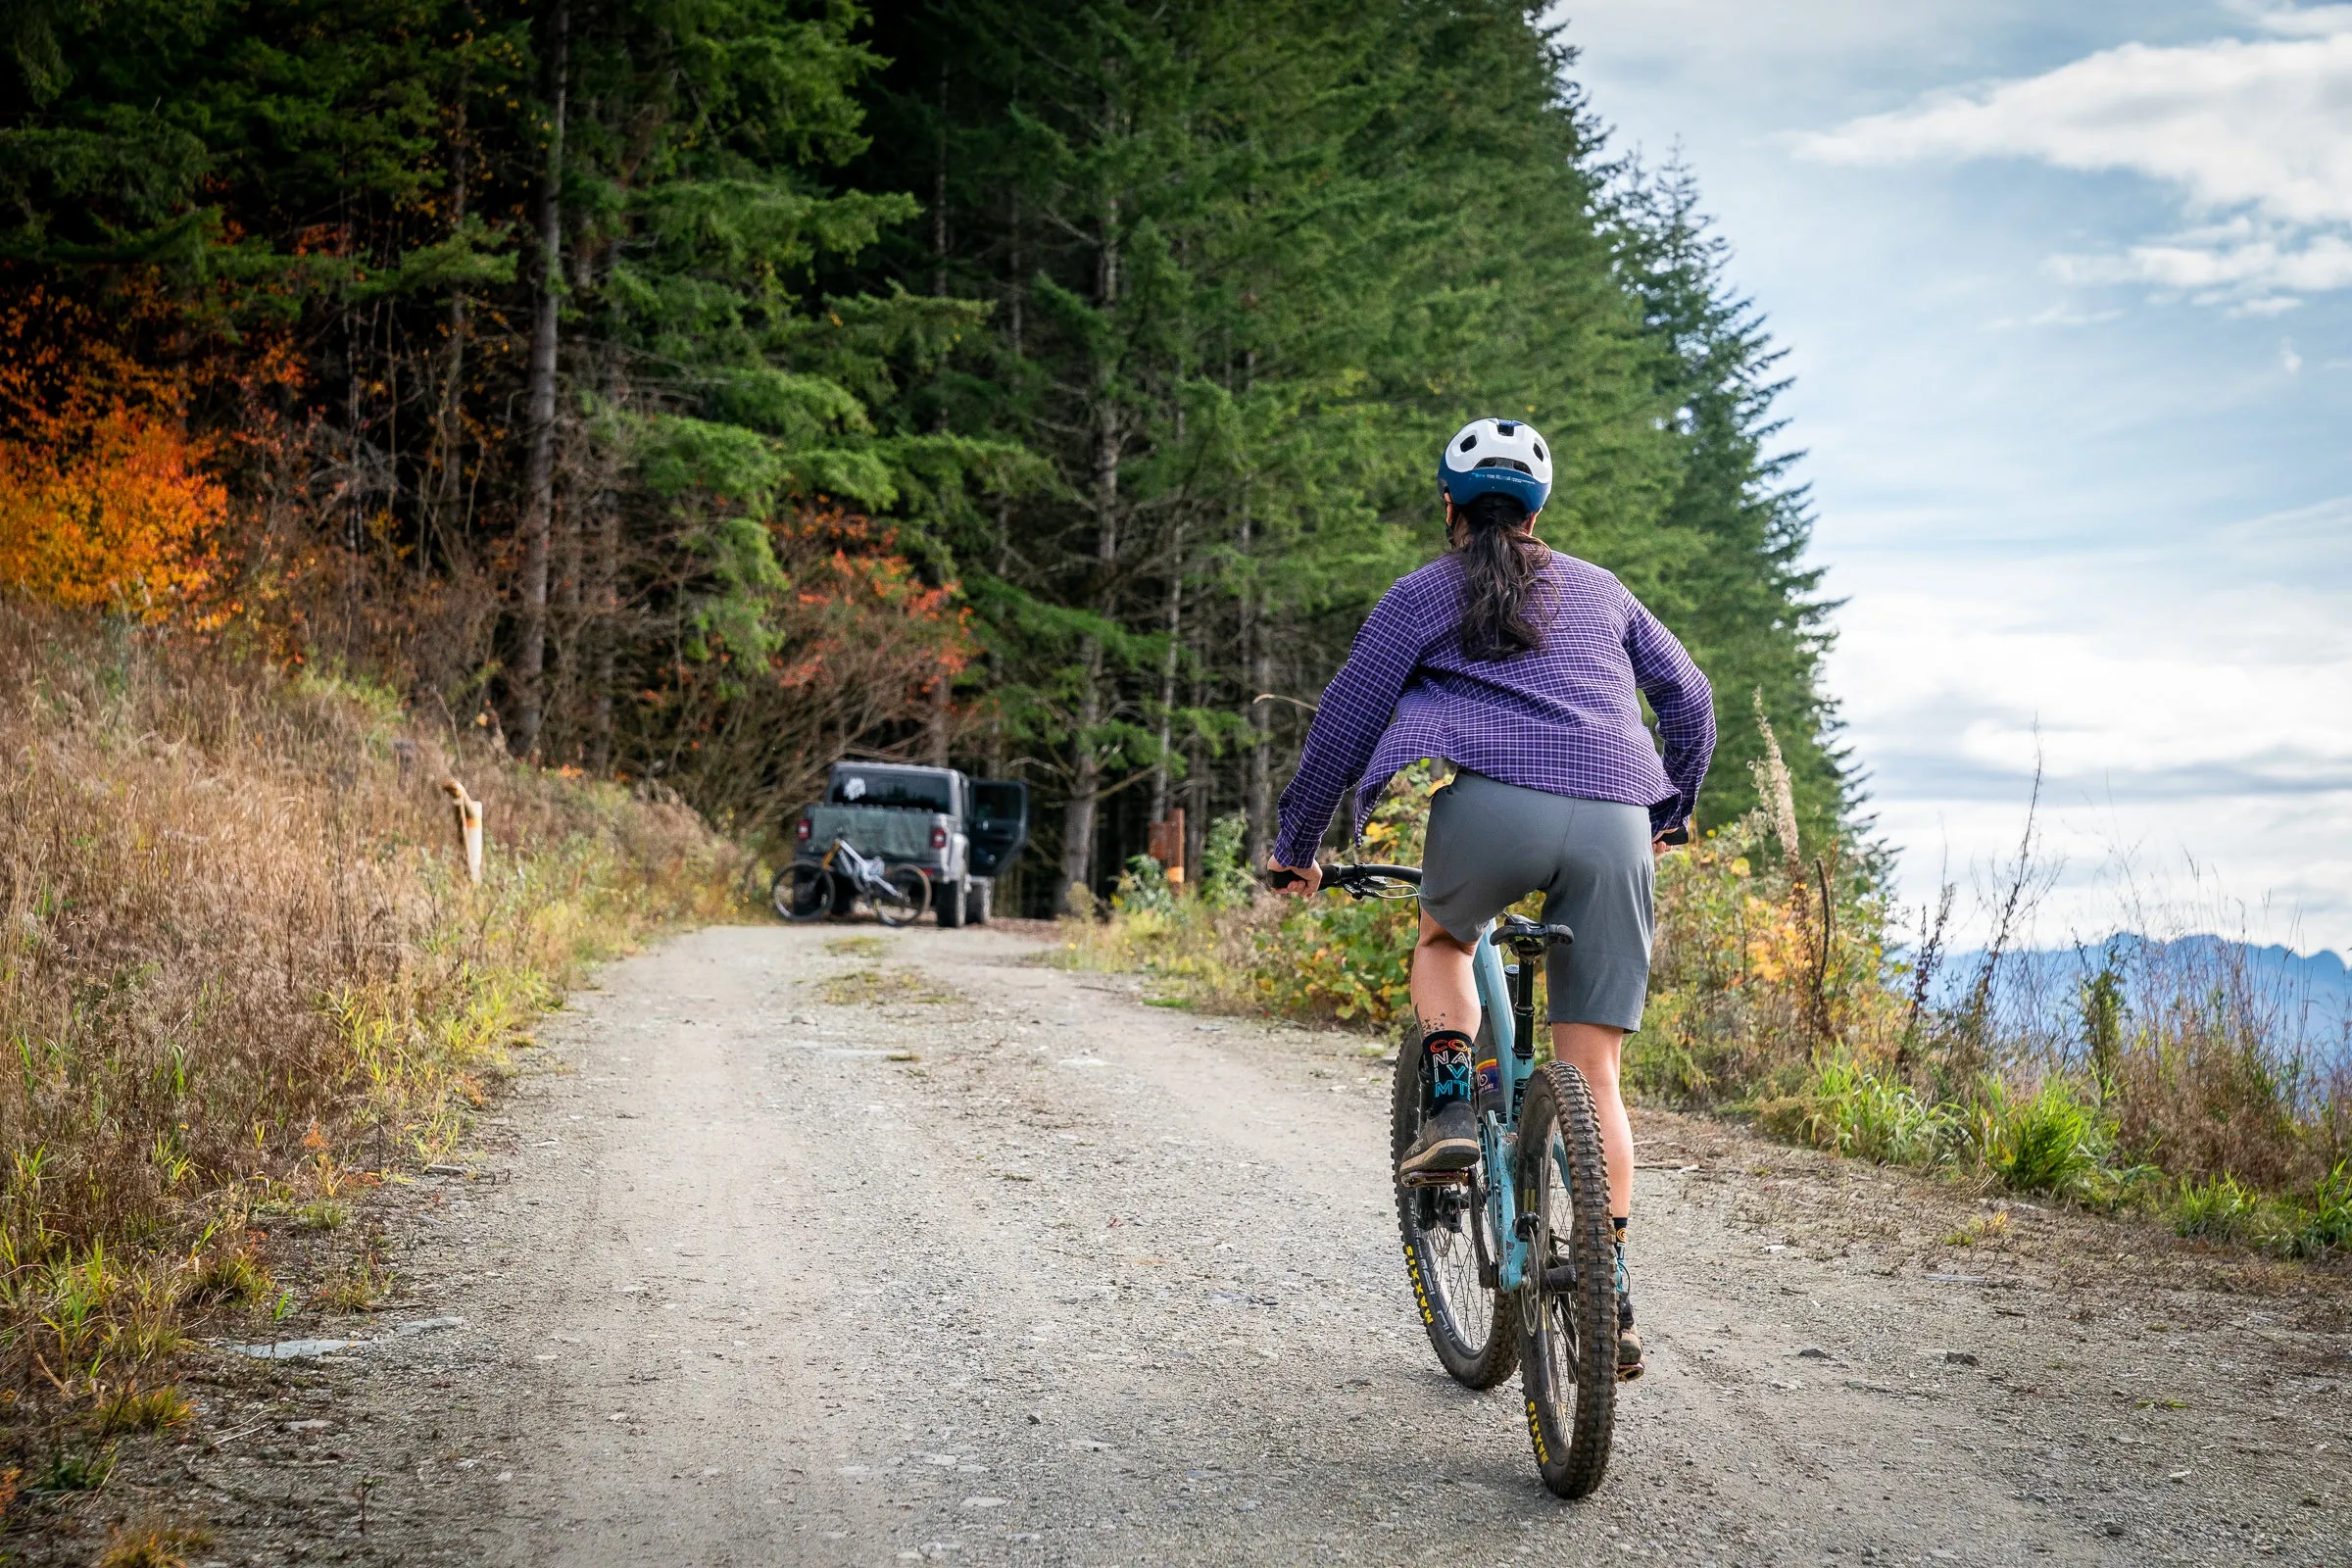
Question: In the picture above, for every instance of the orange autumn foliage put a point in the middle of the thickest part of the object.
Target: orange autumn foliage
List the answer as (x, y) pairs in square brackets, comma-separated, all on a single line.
[(104, 501), (854, 596)]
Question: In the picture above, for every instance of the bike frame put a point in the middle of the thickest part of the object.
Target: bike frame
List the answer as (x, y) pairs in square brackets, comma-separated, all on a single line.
[(1507, 997), (864, 870)]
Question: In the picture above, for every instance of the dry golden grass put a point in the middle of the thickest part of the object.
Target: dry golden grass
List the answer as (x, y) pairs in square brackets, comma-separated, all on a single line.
[(242, 969), (152, 1541)]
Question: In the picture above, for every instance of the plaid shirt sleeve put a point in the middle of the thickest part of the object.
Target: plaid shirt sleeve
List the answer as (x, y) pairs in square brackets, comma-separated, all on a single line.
[(1685, 708), (1348, 723)]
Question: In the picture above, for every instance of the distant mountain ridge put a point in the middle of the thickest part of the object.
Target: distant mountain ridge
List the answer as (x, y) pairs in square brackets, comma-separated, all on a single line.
[(2307, 995)]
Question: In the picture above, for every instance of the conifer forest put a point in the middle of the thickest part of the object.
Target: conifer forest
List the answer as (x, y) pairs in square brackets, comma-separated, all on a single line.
[(697, 391)]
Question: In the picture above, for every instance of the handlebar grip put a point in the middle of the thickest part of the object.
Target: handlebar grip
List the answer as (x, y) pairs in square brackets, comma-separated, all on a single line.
[(1278, 876), (1678, 835)]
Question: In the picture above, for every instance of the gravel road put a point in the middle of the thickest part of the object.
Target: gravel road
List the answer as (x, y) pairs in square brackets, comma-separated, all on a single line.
[(844, 1246)]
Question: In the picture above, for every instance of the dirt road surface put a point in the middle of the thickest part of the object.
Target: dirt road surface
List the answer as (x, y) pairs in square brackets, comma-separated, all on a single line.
[(843, 1246)]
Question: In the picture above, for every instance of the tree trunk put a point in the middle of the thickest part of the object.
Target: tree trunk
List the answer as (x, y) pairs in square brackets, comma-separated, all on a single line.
[(447, 426), (1167, 680), (604, 633), (539, 404), (1258, 794), (937, 723), (1086, 772)]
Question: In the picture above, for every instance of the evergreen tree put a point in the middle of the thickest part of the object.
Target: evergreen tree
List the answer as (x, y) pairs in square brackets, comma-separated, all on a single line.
[(1747, 603)]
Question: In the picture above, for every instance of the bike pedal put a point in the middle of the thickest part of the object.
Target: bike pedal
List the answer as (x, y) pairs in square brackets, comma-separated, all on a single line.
[(1630, 1374), (1435, 1178)]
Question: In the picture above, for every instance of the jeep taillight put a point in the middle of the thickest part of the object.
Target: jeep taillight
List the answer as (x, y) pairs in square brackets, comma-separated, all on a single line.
[(801, 830), (939, 836)]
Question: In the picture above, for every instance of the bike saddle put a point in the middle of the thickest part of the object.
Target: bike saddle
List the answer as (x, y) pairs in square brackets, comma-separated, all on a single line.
[(1525, 937)]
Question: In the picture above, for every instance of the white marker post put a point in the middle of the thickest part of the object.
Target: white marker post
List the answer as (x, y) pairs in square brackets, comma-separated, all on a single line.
[(470, 825)]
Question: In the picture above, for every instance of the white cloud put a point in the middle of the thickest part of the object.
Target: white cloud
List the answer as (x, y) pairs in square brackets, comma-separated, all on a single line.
[(2176, 711), (2309, 21), (2254, 135), (2288, 360)]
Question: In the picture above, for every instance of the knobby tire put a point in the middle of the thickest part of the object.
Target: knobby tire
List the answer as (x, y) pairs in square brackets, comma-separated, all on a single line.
[(909, 897), (803, 892), (1568, 1305)]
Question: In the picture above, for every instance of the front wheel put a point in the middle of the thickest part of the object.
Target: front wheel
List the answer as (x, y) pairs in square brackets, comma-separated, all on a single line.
[(1449, 1246), (905, 895), (1568, 1304), (803, 892)]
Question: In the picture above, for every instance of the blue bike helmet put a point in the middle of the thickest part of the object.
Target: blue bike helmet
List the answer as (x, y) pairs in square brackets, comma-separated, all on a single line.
[(1490, 456)]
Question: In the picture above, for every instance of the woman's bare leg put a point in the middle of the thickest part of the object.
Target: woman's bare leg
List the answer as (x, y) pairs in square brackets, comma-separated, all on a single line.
[(1444, 996), (1595, 1049)]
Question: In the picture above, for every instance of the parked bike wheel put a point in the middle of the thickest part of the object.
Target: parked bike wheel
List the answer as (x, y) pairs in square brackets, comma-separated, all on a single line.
[(803, 892), (1568, 1307), (905, 896), (1449, 1249)]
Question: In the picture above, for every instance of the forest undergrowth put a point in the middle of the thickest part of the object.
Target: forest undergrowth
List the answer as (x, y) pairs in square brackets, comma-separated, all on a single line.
[(244, 978), (1784, 993)]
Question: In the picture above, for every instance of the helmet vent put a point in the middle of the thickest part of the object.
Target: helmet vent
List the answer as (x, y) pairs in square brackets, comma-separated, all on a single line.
[(1507, 427), (1505, 462), (1469, 441), (1540, 455)]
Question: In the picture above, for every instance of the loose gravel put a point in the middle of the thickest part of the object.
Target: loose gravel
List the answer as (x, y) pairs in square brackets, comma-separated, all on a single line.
[(844, 1246)]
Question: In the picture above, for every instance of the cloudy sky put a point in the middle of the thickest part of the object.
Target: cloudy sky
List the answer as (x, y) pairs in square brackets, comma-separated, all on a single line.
[(2066, 290)]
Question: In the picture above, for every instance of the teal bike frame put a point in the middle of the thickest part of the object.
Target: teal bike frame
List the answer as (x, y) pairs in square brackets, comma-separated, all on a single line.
[(1506, 995), (1512, 1030)]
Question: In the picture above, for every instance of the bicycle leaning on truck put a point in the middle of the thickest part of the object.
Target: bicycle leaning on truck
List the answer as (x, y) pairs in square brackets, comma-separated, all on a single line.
[(1514, 1262), (897, 894)]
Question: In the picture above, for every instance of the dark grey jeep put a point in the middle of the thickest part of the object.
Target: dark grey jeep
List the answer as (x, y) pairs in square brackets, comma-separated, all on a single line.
[(959, 831)]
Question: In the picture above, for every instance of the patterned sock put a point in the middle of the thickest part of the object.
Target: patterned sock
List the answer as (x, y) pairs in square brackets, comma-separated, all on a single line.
[(1625, 1284), (1448, 1065)]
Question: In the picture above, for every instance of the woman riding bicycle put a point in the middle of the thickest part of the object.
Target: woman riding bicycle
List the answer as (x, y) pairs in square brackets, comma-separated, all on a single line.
[(1523, 668)]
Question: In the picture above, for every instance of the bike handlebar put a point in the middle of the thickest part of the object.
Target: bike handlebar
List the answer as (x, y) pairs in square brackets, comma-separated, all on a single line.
[(1359, 880)]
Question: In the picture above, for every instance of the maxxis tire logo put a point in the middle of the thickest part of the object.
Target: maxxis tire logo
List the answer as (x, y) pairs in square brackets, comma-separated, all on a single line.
[(1535, 1432), (1412, 1266)]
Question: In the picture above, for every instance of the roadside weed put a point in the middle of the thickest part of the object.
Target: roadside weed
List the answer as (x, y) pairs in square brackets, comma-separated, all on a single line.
[(1985, 1230), (2328, 1223), (136, 1410), (2219, 1209), (227, 1279), (2053, 1141), (148, 1541), (1869, 1116), (77, 1470)]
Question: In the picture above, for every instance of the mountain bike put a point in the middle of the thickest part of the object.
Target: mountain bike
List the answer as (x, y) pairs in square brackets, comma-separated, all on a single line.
[(812, 889), (1516, 1273)]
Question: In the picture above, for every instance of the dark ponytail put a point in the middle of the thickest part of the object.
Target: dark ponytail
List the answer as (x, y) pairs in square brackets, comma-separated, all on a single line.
[(1503, 589)]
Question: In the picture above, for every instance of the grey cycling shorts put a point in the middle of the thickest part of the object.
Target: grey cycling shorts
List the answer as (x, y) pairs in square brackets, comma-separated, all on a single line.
[(1492, 844)]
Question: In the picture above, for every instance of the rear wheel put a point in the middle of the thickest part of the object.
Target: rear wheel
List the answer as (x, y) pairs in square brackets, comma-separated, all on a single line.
[(803, 892), (976, 901), (948, 902), (1568, 1307), (1448, 1246), (906, 894)]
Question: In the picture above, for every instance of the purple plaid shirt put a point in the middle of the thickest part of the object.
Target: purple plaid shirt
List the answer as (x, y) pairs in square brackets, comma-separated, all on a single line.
[(1563, 718)]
